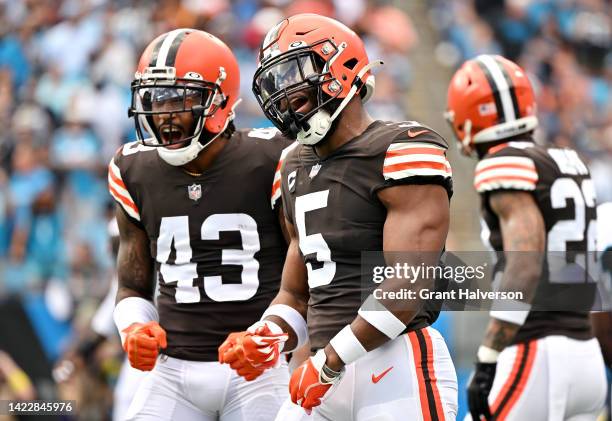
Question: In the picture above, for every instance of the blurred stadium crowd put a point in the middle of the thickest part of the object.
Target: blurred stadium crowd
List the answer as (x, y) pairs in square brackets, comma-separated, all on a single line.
[(565, 45), (65, 71)]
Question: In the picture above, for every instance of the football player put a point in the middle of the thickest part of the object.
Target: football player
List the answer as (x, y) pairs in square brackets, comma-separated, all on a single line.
[(351, 184), (540, 365), (194, 212)]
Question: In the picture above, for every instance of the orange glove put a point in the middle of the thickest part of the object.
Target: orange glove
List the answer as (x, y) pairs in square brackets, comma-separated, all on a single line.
[(230, 354), (253, 351), (142, 343), (308, 384)]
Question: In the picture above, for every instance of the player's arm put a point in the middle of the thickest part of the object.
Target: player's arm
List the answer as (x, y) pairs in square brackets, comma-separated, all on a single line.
[(293, 293), (134, 261), (416, 225), (523, 234), (282, 222), (282, 327), (135, 314)]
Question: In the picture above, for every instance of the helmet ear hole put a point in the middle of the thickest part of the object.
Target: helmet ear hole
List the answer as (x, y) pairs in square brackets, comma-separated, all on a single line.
[(351, 63), (367, 90)]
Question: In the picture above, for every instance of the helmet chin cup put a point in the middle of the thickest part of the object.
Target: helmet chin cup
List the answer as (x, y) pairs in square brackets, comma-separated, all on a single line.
[(318, 126), (181, 156)]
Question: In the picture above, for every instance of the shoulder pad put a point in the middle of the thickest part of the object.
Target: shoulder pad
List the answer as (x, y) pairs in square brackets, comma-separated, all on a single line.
[(276, 184), (116, 174), (505, 168), (410, 131), (415, 151)]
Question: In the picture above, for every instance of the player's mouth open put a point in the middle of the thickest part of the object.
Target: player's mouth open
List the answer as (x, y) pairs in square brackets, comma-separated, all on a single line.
[(171, 133), (300, 102)]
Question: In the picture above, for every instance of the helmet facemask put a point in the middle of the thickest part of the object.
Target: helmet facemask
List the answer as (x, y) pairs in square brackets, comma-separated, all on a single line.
[(464, 144), (278, 83), (157, 95)]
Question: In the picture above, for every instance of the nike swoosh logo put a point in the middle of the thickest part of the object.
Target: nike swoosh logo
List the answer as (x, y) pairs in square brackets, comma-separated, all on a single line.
[(376, 379), (415, 134)]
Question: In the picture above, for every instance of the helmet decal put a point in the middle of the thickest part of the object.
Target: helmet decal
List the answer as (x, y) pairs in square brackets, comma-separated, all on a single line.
[(502, 87)]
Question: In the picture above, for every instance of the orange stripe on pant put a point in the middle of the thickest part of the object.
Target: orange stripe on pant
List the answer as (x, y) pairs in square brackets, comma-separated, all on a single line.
[(516, 382), (422, 348), (432, 373)]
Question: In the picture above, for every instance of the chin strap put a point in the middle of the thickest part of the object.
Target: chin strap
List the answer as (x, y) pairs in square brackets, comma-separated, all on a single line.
[(357, 83), (321, 121), (229, 118)]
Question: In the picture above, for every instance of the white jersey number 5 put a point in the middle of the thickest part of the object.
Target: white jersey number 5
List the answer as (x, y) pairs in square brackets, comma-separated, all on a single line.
[(314, 243)]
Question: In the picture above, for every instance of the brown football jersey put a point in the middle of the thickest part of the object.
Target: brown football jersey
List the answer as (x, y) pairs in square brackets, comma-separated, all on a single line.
[(334, 206), (564, 193), (215, 238)]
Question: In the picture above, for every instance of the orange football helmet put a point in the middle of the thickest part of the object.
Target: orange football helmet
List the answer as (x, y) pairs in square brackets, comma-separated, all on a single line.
[(304, 52), (185, 71), (490, 98)]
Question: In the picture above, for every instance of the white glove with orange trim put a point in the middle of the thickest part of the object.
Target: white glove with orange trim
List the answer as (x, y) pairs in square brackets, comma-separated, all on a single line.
[(310, 381), (142, 343), (254, 350)]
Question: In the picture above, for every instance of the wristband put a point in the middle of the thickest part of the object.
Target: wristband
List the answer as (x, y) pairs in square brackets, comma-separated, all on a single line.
[(347, 346), (132, 310), (487, 355), (293, 318), (382, 319), (517, 317), (326, 374)]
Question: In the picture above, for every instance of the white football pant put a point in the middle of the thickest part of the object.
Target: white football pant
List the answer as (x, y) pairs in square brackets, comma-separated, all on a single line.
[(554, 378), (409, 378), (207, 391)]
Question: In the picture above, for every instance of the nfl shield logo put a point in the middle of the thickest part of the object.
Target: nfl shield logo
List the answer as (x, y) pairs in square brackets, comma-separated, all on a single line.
[(195, 191)]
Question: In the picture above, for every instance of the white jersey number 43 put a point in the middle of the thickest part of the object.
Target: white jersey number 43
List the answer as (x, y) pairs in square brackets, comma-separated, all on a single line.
[(183, 272)]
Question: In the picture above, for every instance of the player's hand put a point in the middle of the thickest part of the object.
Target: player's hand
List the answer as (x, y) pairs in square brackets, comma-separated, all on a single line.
[(142, 343), (479, 389), (309, 383), (253, 351), (234, 356)]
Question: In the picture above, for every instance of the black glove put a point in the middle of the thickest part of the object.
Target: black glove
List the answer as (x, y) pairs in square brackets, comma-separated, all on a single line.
[(479, 389)]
